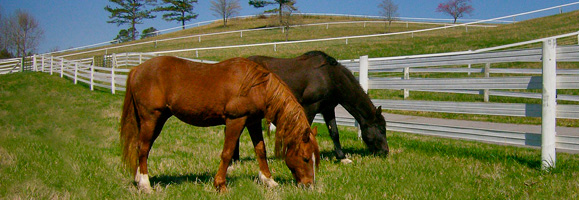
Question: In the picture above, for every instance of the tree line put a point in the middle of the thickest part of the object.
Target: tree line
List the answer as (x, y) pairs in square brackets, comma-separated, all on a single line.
[(133, 12)]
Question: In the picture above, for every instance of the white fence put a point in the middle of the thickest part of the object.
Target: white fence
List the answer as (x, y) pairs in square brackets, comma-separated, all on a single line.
[(10, 65), (551, 80)]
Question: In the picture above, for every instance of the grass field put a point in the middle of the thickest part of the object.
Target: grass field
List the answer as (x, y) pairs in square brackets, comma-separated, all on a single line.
[(60, 141)]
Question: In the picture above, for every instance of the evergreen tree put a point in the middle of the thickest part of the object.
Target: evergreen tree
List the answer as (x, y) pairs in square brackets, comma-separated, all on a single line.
[(178, 10), (281, 5), (130, 12), (149, 32)]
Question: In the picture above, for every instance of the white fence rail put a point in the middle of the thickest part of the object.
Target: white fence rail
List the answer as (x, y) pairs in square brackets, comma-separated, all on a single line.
[(10, 65)]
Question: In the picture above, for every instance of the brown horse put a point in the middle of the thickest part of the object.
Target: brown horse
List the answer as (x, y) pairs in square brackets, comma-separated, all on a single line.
[(236, 92), (320, 83)]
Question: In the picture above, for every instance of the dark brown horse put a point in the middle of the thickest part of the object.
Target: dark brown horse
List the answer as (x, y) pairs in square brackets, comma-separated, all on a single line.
[(236, 92), (320, 83)]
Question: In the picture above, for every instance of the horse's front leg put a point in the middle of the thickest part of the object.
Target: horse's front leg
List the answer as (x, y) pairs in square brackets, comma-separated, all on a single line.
[(233, 129), (259, 146), (330, 119)]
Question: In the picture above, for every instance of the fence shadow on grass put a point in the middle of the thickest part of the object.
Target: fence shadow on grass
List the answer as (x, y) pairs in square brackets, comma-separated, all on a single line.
[(481, 152)]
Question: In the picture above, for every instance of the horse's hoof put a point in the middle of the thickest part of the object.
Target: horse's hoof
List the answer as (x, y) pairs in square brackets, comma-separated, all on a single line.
[(267, 181), (222, 189), (346, 161), (145, 189)]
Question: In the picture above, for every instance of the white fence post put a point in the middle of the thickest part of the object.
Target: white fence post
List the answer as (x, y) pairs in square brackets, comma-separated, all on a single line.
[(75, 72), (51, 61), (61, 66), (487, 75), (42, 63), (406, 77), (140, 58), (363, 79), (364, 72), (92, 77), (33, 64), (549, 108), (113, 88)]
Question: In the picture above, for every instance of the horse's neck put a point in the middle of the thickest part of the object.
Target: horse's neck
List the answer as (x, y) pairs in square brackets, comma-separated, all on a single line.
[(356, 101)]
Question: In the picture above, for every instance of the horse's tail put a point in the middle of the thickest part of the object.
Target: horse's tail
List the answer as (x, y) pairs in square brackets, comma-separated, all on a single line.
[(129, 129)]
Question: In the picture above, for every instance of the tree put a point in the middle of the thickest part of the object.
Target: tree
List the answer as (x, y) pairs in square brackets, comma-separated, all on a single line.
[(130, 12), (22, 33), (455, 8), (389, 10), (225, 9), (282, 4), (178, 10), (124, 36), (149, 32)]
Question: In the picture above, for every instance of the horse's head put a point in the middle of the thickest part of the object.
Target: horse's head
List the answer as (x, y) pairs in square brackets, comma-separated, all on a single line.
[(375, 134), (304, 158)]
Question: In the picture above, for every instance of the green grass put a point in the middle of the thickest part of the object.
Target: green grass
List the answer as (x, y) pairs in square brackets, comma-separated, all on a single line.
[(60, 141)]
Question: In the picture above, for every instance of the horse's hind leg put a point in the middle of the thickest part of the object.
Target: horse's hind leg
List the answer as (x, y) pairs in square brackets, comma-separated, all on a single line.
[(233, 128), (151, 125), (259, 146)]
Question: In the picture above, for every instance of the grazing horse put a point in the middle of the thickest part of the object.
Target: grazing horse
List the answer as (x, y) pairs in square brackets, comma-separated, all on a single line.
[(320, 83), (236, 92)]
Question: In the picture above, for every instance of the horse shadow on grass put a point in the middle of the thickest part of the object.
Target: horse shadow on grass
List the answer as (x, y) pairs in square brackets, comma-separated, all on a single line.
[(207, 177), (363, 152)]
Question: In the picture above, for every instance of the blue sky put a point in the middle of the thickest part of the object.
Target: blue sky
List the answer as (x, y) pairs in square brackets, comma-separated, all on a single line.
[(74, 23)]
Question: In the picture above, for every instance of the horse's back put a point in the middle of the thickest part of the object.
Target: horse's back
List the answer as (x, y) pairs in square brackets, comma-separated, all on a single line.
[(197, 93)]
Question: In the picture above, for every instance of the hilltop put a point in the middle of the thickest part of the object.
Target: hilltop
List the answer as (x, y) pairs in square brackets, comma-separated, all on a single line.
[(447, 40)]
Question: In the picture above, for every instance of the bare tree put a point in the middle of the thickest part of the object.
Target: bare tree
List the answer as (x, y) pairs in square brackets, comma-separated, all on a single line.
[(225, 9), (389, 10), (455, 8), (22, 33)]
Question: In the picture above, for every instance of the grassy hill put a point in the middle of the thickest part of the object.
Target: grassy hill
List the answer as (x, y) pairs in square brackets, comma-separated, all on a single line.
[(439, 41), (60, 141), (448, 40)]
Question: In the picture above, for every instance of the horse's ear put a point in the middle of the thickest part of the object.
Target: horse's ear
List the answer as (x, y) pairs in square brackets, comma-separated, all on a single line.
[(379, 110), (315, 131), (306, 138)]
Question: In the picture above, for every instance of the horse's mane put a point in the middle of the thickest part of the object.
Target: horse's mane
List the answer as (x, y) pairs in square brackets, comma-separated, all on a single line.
[(254, 76), (285, 112), (329, 59)]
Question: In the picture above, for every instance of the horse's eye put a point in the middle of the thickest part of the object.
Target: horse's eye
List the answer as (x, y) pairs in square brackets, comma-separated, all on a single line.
[(307, 160)]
